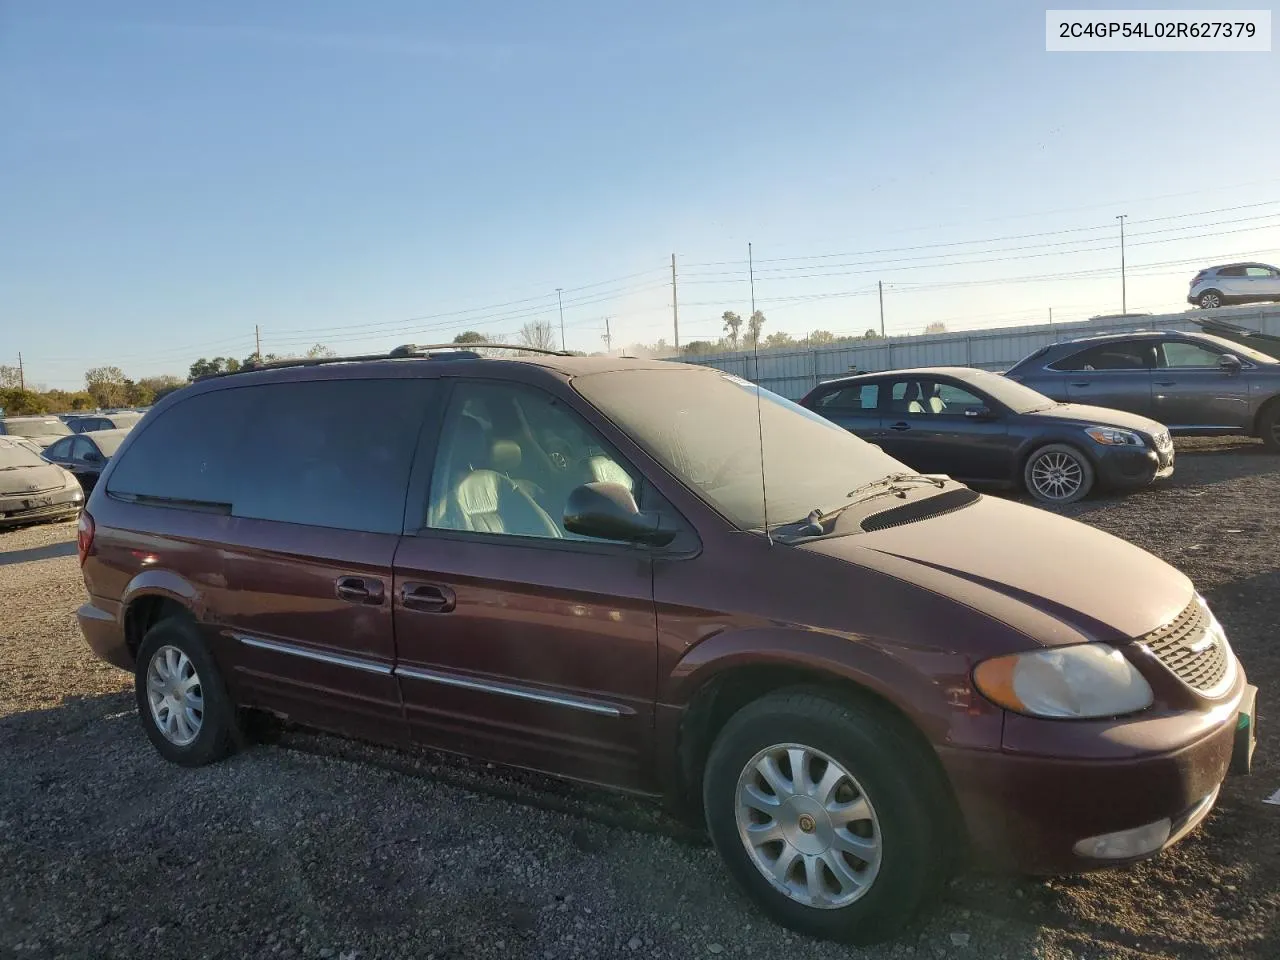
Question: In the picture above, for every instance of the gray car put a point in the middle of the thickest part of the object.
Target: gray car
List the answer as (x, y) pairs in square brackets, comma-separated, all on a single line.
[(1193, 383), (1235, 283)]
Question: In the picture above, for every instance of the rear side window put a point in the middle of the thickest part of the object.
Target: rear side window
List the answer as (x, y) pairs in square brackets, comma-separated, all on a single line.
[(860, 399), (331, 453), (1231, 272), (188, 453), (1108, 356)]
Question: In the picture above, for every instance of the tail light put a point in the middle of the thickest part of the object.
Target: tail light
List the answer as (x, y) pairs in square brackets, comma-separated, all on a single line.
[(84, 536)]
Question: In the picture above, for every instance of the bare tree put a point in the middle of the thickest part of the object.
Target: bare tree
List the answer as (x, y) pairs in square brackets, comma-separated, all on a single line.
[(537, 333)]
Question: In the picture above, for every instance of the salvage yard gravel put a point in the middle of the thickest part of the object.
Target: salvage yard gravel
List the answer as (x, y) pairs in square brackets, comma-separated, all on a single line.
[(307, 846)]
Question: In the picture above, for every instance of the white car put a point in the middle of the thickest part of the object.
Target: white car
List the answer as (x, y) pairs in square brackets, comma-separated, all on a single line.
[(1235, 283)]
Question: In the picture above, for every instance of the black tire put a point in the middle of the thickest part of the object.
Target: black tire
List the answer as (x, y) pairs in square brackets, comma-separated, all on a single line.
[(896, 775), (219, 731), (1269, 425), (1075, 468), (1209, 300)]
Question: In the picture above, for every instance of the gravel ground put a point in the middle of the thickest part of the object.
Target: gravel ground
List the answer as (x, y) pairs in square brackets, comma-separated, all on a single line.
[(309, 846)]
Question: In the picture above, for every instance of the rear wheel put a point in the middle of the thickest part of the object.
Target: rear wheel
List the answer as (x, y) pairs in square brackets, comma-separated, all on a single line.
[(182, 700), (1269, 425), (1058, 473), (829, 814), (1209, 300)]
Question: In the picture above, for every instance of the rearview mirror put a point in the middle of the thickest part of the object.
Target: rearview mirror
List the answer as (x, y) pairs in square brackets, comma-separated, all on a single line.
[(978, 413), (608, 511), (1229, 362)]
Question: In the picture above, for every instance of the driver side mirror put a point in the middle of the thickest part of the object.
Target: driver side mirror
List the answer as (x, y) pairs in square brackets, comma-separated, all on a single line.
[(979, 413), (93, 456), (608, 511), (1230, 363)]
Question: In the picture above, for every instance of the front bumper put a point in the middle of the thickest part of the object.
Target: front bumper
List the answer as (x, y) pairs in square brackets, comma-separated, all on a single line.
[(46, 505), (1031, 813), (1121, 468)]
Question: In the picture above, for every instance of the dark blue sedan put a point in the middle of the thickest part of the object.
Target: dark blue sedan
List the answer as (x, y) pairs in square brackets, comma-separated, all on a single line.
[(982, 428)]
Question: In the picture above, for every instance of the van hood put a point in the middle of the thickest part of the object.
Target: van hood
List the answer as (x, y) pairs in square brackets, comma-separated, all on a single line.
[(32, 480), (1104, 416), (1009, 556)]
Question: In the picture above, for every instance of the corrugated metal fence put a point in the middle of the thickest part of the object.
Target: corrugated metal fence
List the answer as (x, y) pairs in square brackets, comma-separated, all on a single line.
[(794, 372)]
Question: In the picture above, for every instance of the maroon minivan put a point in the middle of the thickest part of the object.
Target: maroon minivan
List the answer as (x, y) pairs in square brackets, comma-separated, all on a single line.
[(660, 579)]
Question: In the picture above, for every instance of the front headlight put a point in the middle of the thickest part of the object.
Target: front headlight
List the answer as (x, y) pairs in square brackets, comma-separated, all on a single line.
[(1078, 682), (1114, 437)]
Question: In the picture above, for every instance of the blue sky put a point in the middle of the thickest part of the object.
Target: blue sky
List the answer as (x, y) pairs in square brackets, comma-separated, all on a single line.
[(375, 173)]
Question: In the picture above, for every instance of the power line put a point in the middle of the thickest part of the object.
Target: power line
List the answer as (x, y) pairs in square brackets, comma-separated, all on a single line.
[(1096, 228)]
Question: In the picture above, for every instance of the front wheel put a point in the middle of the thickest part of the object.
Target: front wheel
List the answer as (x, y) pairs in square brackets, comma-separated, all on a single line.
[(1058, 473), (829, 814)]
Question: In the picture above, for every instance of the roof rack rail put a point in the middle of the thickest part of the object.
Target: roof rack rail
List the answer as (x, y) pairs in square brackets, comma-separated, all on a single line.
[(430, 351)]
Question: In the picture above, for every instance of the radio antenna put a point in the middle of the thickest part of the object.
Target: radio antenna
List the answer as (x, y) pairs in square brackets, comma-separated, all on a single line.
[(754, 329)]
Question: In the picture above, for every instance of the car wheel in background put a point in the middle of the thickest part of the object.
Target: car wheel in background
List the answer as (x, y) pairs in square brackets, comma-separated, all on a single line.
[(1269, 425), (1209, 299), (1058, 473), (829, 813), (182, 700)]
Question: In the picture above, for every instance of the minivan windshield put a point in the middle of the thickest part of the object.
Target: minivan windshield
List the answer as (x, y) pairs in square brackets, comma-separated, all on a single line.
[(53, 427), (702, 425)]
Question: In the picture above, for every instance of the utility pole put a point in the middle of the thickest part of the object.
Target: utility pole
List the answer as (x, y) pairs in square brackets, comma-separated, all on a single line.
[(880, 287), (751, 272), (257, 343), (561, 303), (675, 305), (1124, 303), (1051, 317), (608, 337), (22, 376)]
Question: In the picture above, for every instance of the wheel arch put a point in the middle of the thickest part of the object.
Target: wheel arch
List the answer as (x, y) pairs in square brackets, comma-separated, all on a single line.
[(721, 688), (153, 596), (1264, 410)]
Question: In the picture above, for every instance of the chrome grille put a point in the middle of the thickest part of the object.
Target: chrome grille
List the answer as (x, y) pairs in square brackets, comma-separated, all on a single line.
[(1197, 655)]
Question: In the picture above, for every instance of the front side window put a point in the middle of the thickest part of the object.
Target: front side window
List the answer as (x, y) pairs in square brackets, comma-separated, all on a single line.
[(727, 443), (1108, 356), (81, 449), (1257, 272), (508, 458), (59, 450), (1180, 353)]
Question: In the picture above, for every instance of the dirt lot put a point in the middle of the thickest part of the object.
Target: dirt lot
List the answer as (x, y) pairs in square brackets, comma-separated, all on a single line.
[(313, 847)]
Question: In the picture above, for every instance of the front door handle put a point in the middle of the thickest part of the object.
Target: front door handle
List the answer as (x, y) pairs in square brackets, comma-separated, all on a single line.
[(899, 426), (360, 590), (1165, 383), (428, 597), (1081, 383)]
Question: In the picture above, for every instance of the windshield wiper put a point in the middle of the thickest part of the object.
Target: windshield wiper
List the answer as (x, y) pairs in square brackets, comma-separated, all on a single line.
[(891, 485)]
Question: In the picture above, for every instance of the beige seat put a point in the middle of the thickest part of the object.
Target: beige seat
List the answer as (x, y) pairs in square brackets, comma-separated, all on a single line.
[(489, 502), (482, 499), (606, 470)]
